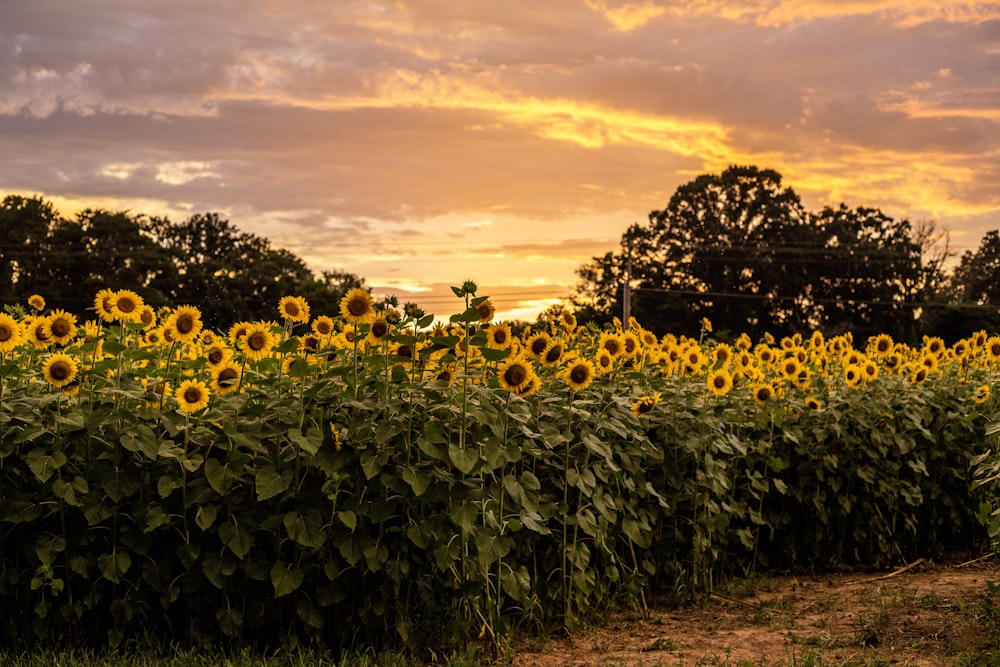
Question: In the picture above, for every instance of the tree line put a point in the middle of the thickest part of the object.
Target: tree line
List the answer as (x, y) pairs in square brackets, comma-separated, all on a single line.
[(742, 250), (204, 260)]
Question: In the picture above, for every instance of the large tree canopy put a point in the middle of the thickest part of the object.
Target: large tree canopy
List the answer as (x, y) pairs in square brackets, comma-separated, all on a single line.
[(205, 261), (741, 250)]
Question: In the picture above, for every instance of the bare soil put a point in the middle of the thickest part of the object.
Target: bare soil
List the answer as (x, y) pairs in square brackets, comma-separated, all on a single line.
[(922, 614)]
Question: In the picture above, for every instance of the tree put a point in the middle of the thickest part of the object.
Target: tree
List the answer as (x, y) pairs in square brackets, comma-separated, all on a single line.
[(741, 250), (977, 277), (230, 275), (24, 228), (101, 249), (869, 276), (725, 247)]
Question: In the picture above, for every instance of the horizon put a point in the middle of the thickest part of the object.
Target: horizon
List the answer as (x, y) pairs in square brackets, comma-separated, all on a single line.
[(420, 144)]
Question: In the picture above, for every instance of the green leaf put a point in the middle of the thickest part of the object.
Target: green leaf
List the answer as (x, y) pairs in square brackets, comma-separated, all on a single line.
[(417, 481), (166, 485), (348, 518), (304, 530), (285, 579), (464, 515), (463, 459), (205, 516), (220, 477), (114, 565), (270, 482), (44, 465), (237, 538)]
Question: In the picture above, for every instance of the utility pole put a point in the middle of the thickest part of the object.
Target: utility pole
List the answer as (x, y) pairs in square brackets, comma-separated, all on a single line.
[(627, 287)]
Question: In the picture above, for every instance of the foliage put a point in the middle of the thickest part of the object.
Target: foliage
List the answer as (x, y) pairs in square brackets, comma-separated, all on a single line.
[(740, 248), (978, 273), (369, 479), (205, 259)]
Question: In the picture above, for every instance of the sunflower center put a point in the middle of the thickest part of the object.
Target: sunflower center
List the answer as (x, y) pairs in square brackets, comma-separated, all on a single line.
[(228, 376), (380, 328), (612, 347), (6, 333), (126, 305), (40, 332), (515, 375), (323, 328), (257, 341), (644, 407), (146, 317), (357, 307), (579, 374), (291, 309), (60, 328), (192, 395), (215, 356), (185, 324), (719, 382), (500, 336), (538, 346), (60, 371), (553, 354)]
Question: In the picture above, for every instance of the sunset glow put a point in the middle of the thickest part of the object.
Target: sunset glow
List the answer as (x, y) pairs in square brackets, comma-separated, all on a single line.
[(420, 143)]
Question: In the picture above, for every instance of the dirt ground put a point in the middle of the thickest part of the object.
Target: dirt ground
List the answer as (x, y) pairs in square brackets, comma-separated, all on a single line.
[(922, 614)]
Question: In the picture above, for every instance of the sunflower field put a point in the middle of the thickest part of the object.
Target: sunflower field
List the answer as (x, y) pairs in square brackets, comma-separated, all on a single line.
[(375, 477)]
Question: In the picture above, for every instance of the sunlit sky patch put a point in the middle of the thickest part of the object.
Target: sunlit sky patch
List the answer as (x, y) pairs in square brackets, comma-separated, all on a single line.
[(421, 143)]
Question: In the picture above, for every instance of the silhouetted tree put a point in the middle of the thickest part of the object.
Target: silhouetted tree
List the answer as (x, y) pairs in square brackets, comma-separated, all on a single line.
[(977, 276), (740, 249)]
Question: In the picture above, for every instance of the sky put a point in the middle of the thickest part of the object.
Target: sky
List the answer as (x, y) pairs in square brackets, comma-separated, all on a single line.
[(421, 143)]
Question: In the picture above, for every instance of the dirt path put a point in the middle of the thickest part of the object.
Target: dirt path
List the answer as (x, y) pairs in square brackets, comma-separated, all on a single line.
[(928, 614)]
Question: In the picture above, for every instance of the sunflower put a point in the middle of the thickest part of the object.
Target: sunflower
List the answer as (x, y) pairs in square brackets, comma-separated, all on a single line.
[(357, 306), (10, 333), (192, 395), (764, 354), (184, 323), (486, 310), (934, 345), (218, 354), (982, 394), (37, 301), (309, 343), (721, 354), (226, 377), (631, 343), (147, 316), (919, 374), (498, 336), (59, 370), (514, 373), (257, 342), (530, 387), (720, 382), (612, 343), (61, 326), (992, 347), (536, 344), (567, 320), (604, 361), (881, 344), (643, 406), (444, 374), (854, 375), (323, 326), (813, 403), (762, 393), (579, 374), (37, 331), (870, 370), (379, 329), (237, 331), (103, 301), (294, 308), (553, 353), (706, 325), (790, 368), (126, 306)]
